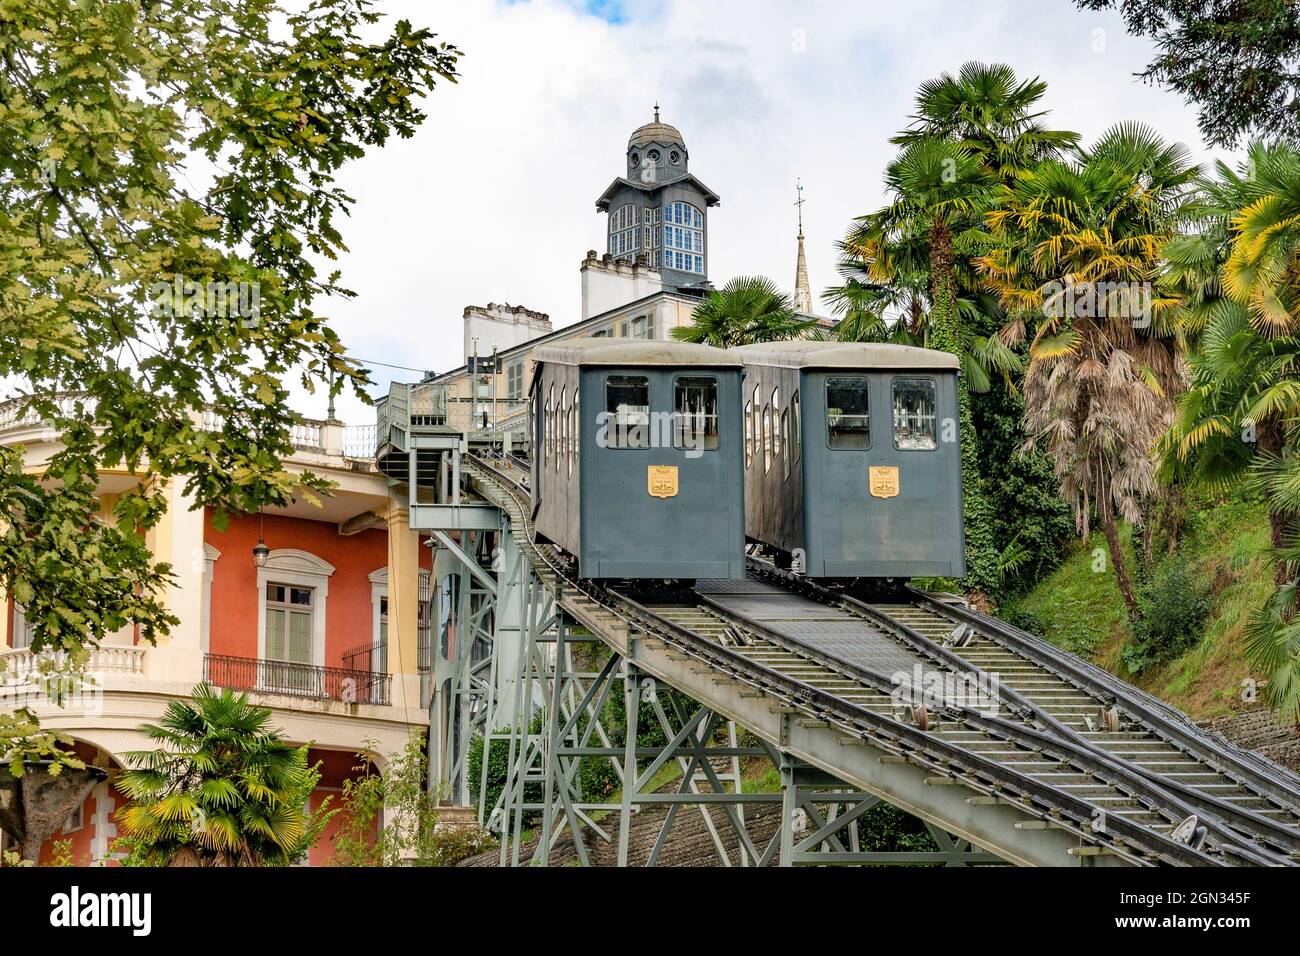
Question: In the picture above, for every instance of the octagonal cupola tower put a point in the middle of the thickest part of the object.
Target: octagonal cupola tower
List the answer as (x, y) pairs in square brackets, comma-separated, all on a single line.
[(657, 210)]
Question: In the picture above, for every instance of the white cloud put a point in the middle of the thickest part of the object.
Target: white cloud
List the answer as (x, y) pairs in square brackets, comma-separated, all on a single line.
[(493, 199)]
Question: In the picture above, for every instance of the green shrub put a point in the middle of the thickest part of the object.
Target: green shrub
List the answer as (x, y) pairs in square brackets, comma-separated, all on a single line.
[(1025, 619), (1032, 525), (1172, 605), (498, 762)]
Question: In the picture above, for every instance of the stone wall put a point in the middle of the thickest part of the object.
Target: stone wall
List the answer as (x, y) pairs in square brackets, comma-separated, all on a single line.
[(1258, 730)]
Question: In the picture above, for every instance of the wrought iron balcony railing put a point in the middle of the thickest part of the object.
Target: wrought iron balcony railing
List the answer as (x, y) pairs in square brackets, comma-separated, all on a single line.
[(358, 441), (298, 680)]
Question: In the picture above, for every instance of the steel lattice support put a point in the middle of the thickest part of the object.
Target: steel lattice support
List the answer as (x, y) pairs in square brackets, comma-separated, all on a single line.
[(512, 667), (821, 826)]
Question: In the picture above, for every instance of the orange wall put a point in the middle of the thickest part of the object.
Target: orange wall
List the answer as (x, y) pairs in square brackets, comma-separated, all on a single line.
[(348, 620), (336, 766), (81, 840)]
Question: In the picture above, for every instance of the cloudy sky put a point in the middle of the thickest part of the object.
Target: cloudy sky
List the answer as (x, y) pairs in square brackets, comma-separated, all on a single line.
[(494, 198)]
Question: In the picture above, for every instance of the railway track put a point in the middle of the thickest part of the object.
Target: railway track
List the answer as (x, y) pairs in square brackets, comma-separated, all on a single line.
[(796, 662), (1057, 692)]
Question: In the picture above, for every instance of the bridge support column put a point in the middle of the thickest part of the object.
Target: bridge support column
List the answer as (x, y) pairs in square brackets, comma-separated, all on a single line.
[(820, 826)]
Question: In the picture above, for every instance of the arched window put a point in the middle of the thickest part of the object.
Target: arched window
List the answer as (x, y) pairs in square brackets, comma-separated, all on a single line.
[(292, 588), (548, 451), (563, 412), (776, 422), (574, 421), (749, 433), (796, 429), (624, 231), (767, 439), (683, 238)]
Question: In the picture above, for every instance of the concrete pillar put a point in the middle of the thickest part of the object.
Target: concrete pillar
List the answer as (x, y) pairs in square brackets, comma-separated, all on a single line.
[(178, 539), (508, 635), (403, 608), (331, 437)]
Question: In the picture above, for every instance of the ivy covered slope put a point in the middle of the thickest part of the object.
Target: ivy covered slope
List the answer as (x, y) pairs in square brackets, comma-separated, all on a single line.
[(1198, 603)]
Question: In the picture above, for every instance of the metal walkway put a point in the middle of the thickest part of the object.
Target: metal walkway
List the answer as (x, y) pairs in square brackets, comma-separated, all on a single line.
[(984, 732)]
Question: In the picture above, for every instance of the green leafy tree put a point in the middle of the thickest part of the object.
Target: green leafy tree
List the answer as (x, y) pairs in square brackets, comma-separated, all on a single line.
[(1238, 273), (1077, 256), (1238, 60), (1032, 524), (747, 309), (222, 788), (168, 200), (884, 292), (23, 741)]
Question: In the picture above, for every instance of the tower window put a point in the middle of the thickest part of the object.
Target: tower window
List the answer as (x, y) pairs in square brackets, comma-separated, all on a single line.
[(653, 155), (683, 238), (624, 230), (675, 158), (636, 160)]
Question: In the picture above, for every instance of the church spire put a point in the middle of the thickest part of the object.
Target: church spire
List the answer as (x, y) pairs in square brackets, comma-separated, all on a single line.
[(802, 288)]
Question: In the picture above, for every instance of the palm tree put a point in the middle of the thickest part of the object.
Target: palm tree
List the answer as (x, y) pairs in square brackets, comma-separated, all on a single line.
[(747, 309), (1077, 253), (938, 190), (884, 296), (221, 789), (1238, 275), (970, 134), (990, 112)]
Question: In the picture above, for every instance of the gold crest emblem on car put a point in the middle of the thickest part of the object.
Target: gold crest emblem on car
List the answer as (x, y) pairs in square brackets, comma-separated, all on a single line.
[(661, 481)]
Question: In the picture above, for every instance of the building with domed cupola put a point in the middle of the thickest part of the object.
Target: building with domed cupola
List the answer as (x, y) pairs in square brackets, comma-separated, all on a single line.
[(648, 281), (658, 210)]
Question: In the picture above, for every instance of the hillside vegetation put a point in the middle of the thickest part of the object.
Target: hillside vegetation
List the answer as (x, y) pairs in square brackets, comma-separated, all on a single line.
[(1081, 610)]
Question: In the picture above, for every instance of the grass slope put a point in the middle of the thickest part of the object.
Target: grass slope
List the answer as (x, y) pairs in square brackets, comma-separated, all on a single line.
[(1080, 609)]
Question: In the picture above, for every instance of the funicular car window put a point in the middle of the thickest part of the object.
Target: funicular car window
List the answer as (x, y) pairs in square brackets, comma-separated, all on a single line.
[(627, 406), (560, 433), (914, 414), (796, 429), (549, 427), (785, 448), (767, 438), (749, 433), (695, 413), (848, 413), (574, 421), (776, 423)]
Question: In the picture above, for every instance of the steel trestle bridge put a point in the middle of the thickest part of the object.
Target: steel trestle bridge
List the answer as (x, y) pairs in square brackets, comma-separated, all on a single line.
[(1006, 747)]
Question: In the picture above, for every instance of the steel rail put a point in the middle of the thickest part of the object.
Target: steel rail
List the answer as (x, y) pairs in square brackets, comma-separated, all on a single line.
[(1269, 779), (1161, 796), (862, 721), (1126, 838), (1253, 824)]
